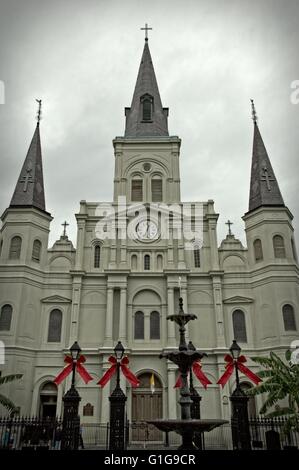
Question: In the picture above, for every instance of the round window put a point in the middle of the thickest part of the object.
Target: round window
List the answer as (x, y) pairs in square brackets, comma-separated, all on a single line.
[(147, 166)]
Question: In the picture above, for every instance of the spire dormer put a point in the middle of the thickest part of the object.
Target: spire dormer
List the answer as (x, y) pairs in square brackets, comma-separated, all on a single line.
[(146, 117)]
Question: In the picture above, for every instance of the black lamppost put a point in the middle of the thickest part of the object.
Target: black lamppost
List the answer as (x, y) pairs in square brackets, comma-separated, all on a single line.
[(239, 419), (195, 405), (117, 406), (71, 420)]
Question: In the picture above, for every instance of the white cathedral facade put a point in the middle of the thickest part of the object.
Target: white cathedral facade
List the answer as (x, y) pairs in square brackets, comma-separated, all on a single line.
[(109, 289)]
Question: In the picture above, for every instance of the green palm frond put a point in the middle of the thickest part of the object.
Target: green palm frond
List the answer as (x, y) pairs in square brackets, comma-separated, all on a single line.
[(7, 403), (10, 378)]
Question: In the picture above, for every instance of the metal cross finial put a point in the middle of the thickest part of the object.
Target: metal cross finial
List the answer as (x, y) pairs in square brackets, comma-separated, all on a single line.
[(146, 29), (65, 224), (229, 223), (253, 112), (39, 111)]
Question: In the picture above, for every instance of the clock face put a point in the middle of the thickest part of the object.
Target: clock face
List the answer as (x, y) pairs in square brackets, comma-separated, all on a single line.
[(147, 230)]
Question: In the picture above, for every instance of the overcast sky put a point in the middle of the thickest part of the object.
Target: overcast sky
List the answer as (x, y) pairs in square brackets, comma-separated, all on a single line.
[(210, 57)]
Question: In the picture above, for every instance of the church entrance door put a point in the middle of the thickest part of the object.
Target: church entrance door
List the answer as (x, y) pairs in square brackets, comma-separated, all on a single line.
[(147, 404)]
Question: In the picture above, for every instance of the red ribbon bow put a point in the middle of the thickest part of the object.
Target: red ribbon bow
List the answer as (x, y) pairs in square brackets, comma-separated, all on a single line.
[(196, 367), (68, 369), (240, 364), (125, 370)]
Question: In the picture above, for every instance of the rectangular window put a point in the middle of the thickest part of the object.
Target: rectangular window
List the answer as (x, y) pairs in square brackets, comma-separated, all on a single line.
[(157, 190), (137, 190)]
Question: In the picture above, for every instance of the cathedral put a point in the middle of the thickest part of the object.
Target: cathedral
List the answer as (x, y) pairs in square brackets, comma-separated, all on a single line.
[(127, 272)]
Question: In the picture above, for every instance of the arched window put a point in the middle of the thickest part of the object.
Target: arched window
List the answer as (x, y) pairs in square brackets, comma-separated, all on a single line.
[(15, 248), (196, 254), (5, 317), (137, 190), (134, 262), (139, 325), (55, 324), (157, 189), (97, 256), (147, 262), (278, 246), (239, 326), (289, 318), (258, 250), (36, 250), (155, 325)]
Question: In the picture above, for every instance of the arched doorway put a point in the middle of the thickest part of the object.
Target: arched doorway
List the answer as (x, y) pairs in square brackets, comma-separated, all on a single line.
[(147, 403), (48, 400)]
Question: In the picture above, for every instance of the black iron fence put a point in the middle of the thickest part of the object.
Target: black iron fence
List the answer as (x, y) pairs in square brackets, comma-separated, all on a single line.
[(36, 433), (30, 433)]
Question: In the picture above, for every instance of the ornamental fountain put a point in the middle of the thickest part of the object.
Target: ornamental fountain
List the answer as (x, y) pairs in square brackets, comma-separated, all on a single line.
[(184, 357)]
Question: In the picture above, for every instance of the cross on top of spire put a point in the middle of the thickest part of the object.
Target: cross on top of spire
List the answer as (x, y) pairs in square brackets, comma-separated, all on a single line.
[(39, 111), (65, 224), (253, 112), (146, 29), (229, 223)]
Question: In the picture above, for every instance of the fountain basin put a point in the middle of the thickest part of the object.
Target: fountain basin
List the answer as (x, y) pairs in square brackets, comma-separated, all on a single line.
[(182, 426)]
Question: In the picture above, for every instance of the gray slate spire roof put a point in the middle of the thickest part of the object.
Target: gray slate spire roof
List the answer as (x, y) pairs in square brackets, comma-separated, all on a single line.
[(30, 186), (146, 84), (264, 189)]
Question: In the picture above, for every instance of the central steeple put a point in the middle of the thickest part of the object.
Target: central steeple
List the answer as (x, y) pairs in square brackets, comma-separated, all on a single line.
[(146, 117)]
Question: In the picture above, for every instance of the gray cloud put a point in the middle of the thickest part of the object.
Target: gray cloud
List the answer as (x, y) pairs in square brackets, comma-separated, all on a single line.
[(210, 58)]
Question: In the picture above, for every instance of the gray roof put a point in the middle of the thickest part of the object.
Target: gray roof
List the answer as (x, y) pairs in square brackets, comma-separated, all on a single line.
[(29, 189), (264, 189), (146, 84)]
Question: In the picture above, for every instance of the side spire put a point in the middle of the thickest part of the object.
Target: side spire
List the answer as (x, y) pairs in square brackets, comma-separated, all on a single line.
[(264, 188), (29, 191), (146, 116)]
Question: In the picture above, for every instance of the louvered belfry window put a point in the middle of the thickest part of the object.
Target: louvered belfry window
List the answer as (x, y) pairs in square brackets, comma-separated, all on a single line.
[(15, 248), (147, 110), (36, 250), (258, 250), (5, 317), (55, 324), (289, 318), (147, 262), (239, 326), (137, 190), (157, 195), (139, 325), (155, 325), (196, 253), (278, 246), (97, 256)]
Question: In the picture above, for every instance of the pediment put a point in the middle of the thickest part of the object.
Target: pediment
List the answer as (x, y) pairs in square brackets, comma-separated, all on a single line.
[(56, 299), (238, 299)]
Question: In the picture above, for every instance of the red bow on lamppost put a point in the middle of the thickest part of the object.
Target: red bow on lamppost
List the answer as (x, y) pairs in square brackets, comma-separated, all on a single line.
[(74, 363), (196, 367), (235, 361), (119, 363)]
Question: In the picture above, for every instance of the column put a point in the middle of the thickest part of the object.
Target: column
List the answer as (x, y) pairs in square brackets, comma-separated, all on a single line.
[(172, 406), (109, 318), (170, 324), (213, 244), (105, 405), (123, 316), (185, 306), (218, 306), (76, 299), (80, 244)]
